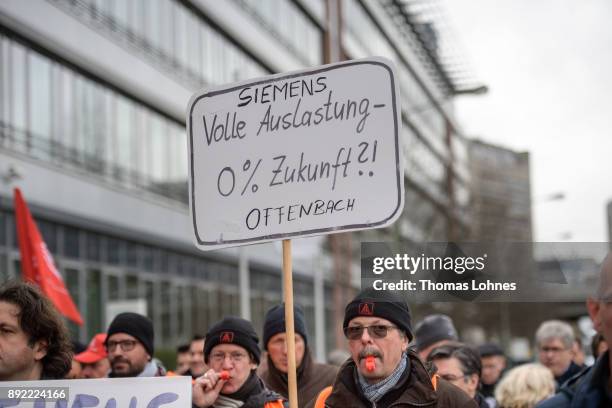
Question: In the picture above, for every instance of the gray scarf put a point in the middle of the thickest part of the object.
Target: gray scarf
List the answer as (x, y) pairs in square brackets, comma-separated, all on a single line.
[(150, 369), (225, 402), (374, 392)]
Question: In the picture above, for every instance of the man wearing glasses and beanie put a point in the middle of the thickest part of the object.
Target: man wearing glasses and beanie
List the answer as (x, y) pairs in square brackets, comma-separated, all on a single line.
[(382, 370), (129, 343), (232, 352)]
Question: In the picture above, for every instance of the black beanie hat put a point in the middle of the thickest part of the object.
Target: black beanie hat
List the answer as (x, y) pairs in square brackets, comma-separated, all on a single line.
[(490, 350), (135, 325), (434, 328), (275, 323), (380, 303), (232, 330)]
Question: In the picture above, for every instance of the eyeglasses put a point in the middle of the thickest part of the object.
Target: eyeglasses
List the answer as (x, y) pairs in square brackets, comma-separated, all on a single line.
[(554, 350), (126, 345), (452, 377), (376, 331), (235, 357)]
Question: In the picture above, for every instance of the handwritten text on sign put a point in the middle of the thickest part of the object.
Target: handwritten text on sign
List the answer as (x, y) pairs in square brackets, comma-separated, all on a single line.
[(296, 154), (154, 392)]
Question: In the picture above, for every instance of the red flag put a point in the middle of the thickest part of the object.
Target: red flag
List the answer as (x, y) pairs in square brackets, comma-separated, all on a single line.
[(37, 263)]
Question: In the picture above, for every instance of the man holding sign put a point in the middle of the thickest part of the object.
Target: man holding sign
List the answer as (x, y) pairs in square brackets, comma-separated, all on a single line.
[(383, 371), (294, 154), (232, 352)]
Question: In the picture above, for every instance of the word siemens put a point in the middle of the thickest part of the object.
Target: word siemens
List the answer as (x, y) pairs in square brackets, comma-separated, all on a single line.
[(411, 263), (333, 110)]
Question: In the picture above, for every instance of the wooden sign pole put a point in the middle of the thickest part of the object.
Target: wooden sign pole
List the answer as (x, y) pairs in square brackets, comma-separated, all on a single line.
[(289, 326)]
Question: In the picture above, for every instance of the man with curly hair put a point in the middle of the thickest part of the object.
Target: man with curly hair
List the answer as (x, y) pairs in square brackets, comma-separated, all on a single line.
[(34, 342)]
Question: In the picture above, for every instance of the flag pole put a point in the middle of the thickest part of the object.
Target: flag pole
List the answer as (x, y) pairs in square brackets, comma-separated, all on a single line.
[(289, 325)]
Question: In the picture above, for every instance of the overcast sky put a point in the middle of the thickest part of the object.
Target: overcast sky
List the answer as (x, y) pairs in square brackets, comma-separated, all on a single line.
[(548, 64)]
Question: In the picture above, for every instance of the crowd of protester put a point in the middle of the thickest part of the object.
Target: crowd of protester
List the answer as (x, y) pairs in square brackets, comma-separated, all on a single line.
[(388, 363)]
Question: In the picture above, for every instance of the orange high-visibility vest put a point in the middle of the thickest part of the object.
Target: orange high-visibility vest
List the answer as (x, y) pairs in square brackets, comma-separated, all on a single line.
[(274, 404)]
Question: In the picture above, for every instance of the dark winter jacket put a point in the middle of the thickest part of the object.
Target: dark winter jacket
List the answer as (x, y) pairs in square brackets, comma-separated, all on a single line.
[(414, 389), (311, 378), (589, 389), (254, 394), (571, 371)]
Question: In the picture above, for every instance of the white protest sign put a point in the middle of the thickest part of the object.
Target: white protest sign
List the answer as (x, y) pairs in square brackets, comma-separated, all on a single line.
[(167, 392), (296, 154)]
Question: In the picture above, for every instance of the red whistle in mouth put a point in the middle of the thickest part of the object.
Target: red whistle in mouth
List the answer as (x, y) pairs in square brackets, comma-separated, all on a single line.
[(370, 363), (224, 375)]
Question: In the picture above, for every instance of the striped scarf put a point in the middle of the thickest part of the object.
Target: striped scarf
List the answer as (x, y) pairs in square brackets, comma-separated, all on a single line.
[(374, 392)]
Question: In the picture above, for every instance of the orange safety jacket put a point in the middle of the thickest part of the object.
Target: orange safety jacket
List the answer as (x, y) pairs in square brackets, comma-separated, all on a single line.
[(274, 404)]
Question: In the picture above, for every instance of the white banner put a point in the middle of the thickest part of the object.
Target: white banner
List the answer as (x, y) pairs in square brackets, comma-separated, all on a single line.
[(149, 392), (302, 153)]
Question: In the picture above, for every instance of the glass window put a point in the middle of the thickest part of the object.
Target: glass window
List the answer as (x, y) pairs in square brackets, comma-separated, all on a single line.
[(147, 257), (152, 24), (178, 163), (317, 7), (82, 119), (166, 32), (200, 317), (102, 6), (141, 117), (12, 230), (194, 45), (120, 12), (131, 283), (3, 239), (297, 33), (166, 312), (132, 254), (4, 273), (150, 297), (158, 159), (19, 94), (94, 144), (162, 259), (180, 44), (124, 136), (17, 269), (40, 102), (182, 299), (71, 242), (214, 311), (94, 303), (93, 247), (114, 251), (109, 132), (66, 119), (5, 91), (207, 61), (113, 287), (137, 16), (72, 284)]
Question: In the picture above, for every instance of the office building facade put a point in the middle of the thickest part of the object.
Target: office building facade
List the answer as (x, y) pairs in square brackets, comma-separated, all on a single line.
[(92, 129)]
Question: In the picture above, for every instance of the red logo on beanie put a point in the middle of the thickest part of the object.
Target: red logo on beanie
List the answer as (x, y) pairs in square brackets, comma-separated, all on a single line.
[(366, 309), (227, 337)]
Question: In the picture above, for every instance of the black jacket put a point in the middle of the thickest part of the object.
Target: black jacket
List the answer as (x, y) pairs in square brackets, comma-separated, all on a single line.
[(589, 389), (414, 389)]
